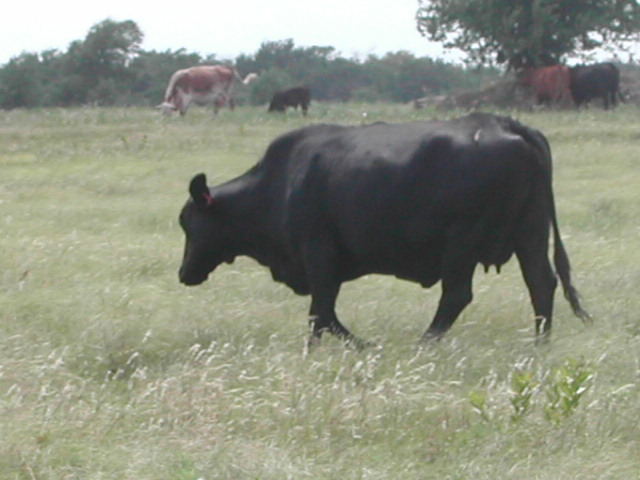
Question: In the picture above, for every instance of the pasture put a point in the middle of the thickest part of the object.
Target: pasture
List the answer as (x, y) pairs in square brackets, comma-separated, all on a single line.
[(110, 369)]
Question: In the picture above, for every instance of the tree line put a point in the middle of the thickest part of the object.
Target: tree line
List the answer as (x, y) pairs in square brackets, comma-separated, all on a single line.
[(109, 67)]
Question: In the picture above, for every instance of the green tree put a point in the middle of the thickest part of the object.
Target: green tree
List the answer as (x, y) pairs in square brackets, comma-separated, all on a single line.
[(282, 65), (98, 65), (109, 46), (529, 32), (33, 80), (20, 83)]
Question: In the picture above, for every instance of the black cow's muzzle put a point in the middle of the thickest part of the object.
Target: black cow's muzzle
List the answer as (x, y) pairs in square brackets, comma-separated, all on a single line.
[(191, 279)]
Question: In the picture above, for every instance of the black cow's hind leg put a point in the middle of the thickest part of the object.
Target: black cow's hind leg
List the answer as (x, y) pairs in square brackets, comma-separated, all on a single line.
[(540, 279)]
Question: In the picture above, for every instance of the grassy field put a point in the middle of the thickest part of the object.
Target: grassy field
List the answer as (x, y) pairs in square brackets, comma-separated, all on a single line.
[(110, 369)]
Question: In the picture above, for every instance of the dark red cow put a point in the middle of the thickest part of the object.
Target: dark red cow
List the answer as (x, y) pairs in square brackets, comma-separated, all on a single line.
[(549, 84)]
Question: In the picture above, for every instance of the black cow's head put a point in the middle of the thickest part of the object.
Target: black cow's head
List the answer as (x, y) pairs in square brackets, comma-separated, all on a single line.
[(208, 236), (277, 103)]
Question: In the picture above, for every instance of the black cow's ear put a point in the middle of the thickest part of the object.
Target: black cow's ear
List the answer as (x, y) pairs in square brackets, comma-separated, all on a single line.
[(199, 190)]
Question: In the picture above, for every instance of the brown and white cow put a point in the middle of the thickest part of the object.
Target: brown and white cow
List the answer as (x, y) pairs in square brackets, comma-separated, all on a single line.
[(202, 85)]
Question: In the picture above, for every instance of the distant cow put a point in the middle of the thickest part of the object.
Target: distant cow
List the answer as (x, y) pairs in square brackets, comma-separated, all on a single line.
[(294, 97), (549, 84), (202, 85), (423, 201), (601, 80)]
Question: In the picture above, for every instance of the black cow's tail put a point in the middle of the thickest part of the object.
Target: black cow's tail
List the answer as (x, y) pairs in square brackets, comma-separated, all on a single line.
[(563, 269), (560, 257)]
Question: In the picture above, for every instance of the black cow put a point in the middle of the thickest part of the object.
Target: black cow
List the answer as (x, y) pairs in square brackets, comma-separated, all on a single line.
[(294, 97), (601, 80), (422, 201)]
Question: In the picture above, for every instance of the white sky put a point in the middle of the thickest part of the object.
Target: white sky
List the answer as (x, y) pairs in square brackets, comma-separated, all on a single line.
[(226, 28)]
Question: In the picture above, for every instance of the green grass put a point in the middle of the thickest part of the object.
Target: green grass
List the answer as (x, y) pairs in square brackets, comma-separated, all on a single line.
[(110, 369)]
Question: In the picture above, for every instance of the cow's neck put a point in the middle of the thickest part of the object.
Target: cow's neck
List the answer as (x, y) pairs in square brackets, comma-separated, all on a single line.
[(252, 220)]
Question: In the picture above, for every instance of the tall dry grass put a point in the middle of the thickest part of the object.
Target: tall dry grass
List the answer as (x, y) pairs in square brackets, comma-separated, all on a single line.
[(111, 369)]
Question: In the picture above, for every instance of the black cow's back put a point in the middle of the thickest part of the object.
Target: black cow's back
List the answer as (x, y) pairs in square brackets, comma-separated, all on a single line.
[(391, 194)]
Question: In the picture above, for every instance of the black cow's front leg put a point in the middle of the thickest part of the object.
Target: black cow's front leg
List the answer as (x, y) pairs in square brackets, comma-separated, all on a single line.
[(456, 295), (324, 287), (322, 316)]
